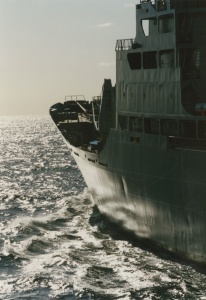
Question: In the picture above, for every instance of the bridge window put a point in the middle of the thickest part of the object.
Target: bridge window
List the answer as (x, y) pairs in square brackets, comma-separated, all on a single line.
[(151, 126), (134, 60), (202, 129), (150, 60), (169, 127), (167, 58), (149, 26), (190, 62), (188, 129), (122, 122), (166, 23), (136, 124)]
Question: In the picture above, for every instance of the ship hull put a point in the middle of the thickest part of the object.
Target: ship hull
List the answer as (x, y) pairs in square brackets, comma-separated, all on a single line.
[(156, 193)]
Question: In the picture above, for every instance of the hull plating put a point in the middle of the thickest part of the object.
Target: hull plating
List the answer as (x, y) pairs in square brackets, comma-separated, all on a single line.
[(156, 194)]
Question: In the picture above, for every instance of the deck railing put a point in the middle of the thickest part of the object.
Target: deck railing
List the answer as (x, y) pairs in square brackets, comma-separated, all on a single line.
[(160, 4), (74, 98), (124, 44)]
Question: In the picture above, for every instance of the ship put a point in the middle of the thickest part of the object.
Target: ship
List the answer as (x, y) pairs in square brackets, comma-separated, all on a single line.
[(141, 144)]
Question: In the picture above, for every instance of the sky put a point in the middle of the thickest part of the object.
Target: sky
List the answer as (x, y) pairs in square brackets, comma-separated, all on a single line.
[(53, 48)]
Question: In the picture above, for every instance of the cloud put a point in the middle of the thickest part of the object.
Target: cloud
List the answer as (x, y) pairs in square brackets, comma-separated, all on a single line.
[(104, 25), (106, 64)]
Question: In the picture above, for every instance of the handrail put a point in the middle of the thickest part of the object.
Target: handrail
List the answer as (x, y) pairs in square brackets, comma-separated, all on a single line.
[(124, 44), (74, 98)]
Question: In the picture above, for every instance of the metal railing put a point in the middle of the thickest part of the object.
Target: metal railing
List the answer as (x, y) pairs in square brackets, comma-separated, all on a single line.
[(160, 4), (74, 98), (143, 1), (124, 44)]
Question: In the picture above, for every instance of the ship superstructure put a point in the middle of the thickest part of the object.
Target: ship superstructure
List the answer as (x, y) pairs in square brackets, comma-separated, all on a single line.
[(141, 146)]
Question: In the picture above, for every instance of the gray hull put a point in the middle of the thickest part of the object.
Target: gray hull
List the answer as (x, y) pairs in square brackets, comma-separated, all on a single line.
[(154, 193), (141, 146)]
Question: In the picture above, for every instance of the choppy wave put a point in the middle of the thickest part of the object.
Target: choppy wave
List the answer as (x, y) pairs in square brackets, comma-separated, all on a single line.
[(55, 245)]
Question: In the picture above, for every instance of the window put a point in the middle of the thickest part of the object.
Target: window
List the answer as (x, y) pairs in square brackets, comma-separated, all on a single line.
[(136, 124), (169, 127), (149, 26), (166, 23), (155, 126), (185, 28), (190, 62), (122, 122), (134, 60), (201, 3), (202, 129), (151, 126), (167, 58), (145, 27), (188, 128), (150, 60)]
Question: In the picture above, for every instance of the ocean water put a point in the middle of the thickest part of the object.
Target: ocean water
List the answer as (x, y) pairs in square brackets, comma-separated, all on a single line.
[(54, 244)]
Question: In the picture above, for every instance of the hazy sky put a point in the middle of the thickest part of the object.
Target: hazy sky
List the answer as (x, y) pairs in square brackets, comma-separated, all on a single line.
[(53, 48)]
